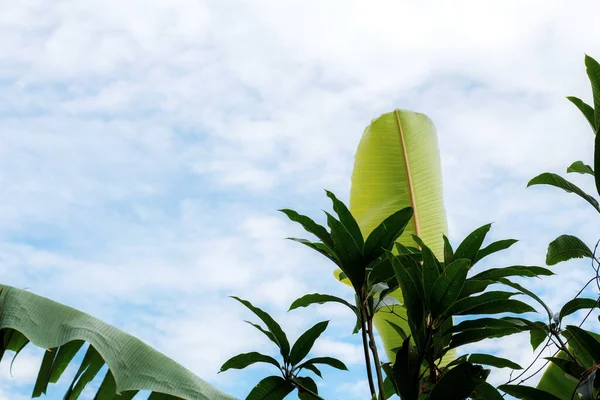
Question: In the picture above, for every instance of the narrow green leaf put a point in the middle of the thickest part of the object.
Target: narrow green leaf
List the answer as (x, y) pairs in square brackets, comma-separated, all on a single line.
[(459, 382), (537, 337), (332, 362), (488, 359), (485, 391), (448, 252), (313, 369), (398, 329), (90, 366), (382, 272), (108, 388), (310, 226), (482, 323), (566, 247), (551, 179), (318, 247), (593, 72), (448, 285), (41, 382), (500, 306), (273, 327), (528, 293), (406, 371), (383, 237), (348, 251), (585, 109), (457, 361), (271, 388), (568, 366), (464, 305), (473, 286), (473, 336), (575, 305), (306, 341), (470, 246), (494, 248), (65, 355), (309, 384), (388, 387), (243, 360), (412, 300), (347, 219), (527, 393), (266, 332), (580, 168), (515, 270), (589, 343), (318, 298), (430, 272)]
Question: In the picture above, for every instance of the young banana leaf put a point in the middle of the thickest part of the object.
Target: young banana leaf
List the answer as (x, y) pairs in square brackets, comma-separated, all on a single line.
[(61, 330), (397, 165)]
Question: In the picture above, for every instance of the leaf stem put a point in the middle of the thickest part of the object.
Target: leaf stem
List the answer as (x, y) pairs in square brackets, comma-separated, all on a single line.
[(363, 323), (373, 347)]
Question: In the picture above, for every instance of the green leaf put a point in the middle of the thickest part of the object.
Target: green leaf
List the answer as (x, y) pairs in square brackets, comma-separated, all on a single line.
[(470, 246), (243, 360), (266, 332), (412, 300), (318, 247), (485, 391), (575, 305), (306, 341), (273, 327), (348, 251), (310, 226), (527, 393), (548, 178), (332, 362), (406, 371), (482, 323), (494, 248), (448, 286), (90, 366), (464, 305), (448, 252), (383, 237), (566, 247), (515, 270), (473, 336), (473, 286), (309, 384), (41, 383), (488, 359), (580, 168), (271, 388), (430, 273), (585, 109), (347, 219), (313, 369), (65, 354), (108, 388), (500, 306), (537, 337), (135, 365), (568, 366), (382, 272), (388, 387), (459, 382), (589, 343), (318, 298), (398, 329), (528, 293), (593, 72)]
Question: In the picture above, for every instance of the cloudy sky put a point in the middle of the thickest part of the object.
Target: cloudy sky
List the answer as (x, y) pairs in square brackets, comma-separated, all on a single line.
[(145, 147)]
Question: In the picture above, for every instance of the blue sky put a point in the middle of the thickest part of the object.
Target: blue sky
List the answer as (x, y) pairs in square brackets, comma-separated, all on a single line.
[(146, 146)]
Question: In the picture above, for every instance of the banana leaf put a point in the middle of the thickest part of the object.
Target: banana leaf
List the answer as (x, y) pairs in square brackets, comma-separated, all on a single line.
[(61, 330), (397, 165)]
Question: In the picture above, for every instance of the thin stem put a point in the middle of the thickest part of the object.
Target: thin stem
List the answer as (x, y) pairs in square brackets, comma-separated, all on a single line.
[(363, 323), (373, 347), (307, 390), (564, 347)]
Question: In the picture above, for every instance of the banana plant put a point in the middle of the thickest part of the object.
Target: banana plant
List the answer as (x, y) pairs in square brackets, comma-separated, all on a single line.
[(26, 318), (293, 360)]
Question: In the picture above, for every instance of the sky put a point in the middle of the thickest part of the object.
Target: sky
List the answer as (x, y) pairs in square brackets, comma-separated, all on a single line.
[(146, 146)]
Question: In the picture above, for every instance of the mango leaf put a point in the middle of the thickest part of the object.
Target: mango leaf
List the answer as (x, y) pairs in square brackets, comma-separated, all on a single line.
[(485, 391), (430, 273), (448, 251), (575, 305), (593, 72), (398, 329), (243, 360), (313, 369), (537, 337), (412, 300), (306, 341), (585, 109), (347, 219), (488, 359), (383, 237), (348, 252), (318, 247), (134, 365), (548, 178), (482, 323), (473, 286), (568, 366), (271, 388), (330, 361), (309, 384), (397, 165), (464, 305), (477, 335), (515, 270), (310, 226), (472, 243), (590, 344), (528, 293), (527, 393), (494, 248), (273, 327), (318, 298), (580, 168), (406, 371), (566, 247), (448, 285), (459, 382)]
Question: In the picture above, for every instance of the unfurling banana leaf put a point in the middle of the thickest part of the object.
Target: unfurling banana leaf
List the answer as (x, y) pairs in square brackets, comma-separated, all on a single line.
[(397, 165), (62, 331)]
